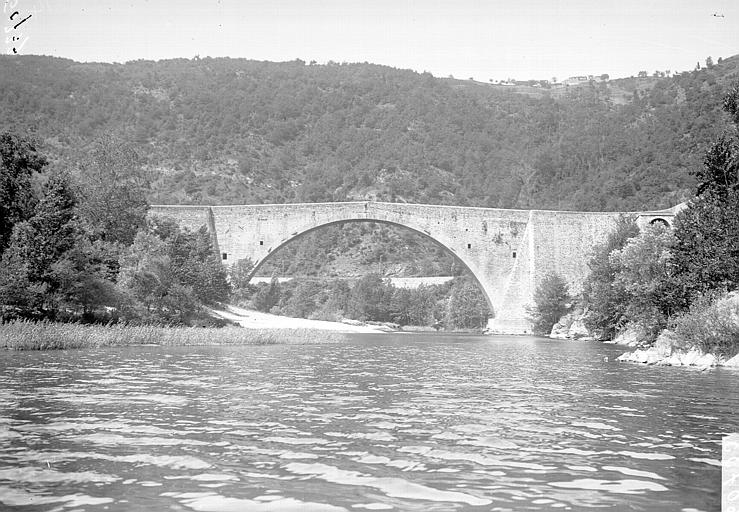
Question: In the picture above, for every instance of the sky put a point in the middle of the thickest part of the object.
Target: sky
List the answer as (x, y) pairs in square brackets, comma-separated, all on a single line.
[(484, 40)]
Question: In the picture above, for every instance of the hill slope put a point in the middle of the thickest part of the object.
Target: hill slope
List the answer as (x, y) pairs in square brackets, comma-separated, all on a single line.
[(238, 131), (219, 131)]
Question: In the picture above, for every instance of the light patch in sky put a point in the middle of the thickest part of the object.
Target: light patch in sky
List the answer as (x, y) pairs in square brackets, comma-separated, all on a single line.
[(493, 39)]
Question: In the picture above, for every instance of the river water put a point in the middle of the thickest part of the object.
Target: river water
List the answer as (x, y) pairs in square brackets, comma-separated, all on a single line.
[(383, 422)]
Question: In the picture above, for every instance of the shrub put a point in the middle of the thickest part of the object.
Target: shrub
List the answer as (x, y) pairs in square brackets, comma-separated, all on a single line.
[(711, 324), (552, 301), (326, 313)]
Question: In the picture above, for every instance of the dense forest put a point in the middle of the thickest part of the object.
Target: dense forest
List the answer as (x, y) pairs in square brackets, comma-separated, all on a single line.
[(237, 131)]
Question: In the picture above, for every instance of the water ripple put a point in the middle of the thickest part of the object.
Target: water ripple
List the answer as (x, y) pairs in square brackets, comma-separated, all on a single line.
[(418, 423)]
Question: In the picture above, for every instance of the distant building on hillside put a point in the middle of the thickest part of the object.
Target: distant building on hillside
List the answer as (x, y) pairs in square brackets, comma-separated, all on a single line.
[(584, 79), (576, 80), (549, 84)]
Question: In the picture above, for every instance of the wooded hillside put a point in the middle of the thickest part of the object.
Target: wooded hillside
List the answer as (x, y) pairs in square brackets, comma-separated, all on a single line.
[(238, 131), (219, 131)]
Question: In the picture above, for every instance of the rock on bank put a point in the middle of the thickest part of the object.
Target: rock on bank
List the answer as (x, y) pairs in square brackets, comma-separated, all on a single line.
[(572, 327), (668, 352)]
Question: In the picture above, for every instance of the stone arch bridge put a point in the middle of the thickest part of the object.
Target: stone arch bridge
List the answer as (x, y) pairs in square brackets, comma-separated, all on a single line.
[(507, 251)]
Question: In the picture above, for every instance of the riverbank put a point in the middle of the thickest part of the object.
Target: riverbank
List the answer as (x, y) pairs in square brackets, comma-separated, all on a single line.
[(707, 335), (694, 357), (251, 319), (26, 335), (668, 351)]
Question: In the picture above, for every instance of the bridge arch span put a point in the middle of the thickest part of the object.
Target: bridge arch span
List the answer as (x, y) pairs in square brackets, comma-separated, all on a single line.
[(507, 251), (297, 236)]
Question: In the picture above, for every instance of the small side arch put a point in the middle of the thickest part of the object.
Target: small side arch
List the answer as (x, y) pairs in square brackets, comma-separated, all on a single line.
[(296, 236), (660, 221)]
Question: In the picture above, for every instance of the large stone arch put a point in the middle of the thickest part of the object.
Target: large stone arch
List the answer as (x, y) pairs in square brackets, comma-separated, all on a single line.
[(456, 257), (507, 251)]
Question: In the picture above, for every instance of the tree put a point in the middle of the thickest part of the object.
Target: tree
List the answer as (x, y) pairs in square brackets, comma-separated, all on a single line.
[(144, 277), (643, 272), (239, 276), (604, 300), (705, 255), (193, 262), (467, 307), (168, 273), (304, 300), (370, 299), (399, 306), (731, 103), (339, 292), (705, 252), (268, 296), (720, 171), (552, 300), (85, 283), (18, 161), (15, 287), (113, 187), (54, 225), (425, 305), (37, 244)]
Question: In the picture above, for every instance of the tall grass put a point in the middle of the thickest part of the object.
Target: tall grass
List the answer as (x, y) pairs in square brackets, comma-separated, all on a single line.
[(29, 335)]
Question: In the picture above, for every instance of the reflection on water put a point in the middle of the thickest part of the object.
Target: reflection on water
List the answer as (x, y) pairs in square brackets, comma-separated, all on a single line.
[(397, 422)]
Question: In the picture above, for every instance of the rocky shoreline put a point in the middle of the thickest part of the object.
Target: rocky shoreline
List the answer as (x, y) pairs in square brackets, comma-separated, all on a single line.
[(666, 351), (692, 357)]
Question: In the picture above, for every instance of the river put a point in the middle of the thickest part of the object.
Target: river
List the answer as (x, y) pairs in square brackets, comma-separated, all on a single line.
[(384, 422)]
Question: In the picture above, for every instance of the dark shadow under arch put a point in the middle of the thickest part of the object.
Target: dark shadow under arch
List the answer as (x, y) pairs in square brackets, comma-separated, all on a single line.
[(345, 221), (659, 220)]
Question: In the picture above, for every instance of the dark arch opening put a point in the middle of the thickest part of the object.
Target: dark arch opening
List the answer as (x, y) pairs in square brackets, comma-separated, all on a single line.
[(447, 250), (659, 221)]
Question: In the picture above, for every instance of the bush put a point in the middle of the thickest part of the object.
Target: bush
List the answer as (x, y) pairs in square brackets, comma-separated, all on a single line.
[(711, 324), (552, 301), (326, 313), (466, 307)]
